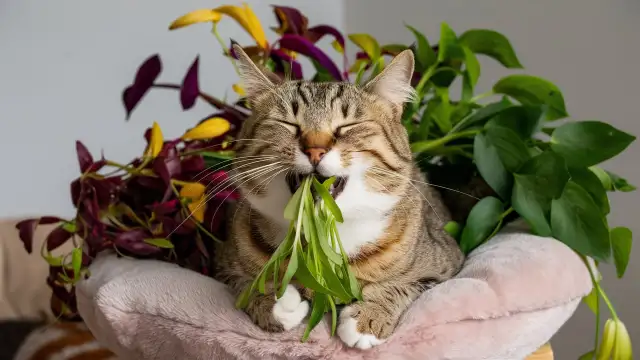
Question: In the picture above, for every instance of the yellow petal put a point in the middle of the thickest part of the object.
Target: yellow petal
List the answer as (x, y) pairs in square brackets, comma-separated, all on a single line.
[(194, 17), (208, 129), (247, 19), (239, 89), (293, 54), (192, 191), (197, 209), (156, 141)]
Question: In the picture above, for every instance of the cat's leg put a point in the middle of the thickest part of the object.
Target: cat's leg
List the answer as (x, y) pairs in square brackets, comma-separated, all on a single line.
[(276, 315), (370, 322)]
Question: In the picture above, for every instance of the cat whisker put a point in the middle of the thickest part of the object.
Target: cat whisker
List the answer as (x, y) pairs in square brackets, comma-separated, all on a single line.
[(418, 190), (227, 162), (387, 172), (211, 195)]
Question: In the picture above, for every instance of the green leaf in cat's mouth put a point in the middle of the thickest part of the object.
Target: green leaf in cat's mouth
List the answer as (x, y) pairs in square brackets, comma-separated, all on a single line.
[(295, 179)]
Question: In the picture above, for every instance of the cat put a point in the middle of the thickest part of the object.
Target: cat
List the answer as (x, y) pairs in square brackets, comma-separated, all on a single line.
[(393, 221)]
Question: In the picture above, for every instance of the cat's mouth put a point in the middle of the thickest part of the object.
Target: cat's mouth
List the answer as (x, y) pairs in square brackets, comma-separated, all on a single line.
[(295, 180)]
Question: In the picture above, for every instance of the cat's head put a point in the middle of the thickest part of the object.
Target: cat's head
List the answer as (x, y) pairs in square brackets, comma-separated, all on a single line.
[(328, 128)]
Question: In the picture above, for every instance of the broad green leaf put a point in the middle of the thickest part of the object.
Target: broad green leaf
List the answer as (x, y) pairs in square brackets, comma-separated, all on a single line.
[(483, 114), (368, 44), (548, 130), (306, 278), (524, 120), (590, 182), (490, 166), (531, 90), (512, 151), (621, 239), (221, 155), (76, 261), (448, 47), (592, 300), (333, 282), (588, 143), (243, 299), (588, 356), (425, 56), (54, 260), (291, 210), (318, 309), (441, 113), (620, 184), (326, 247), (160, 242), (353, 282), (532, 207), (493, 44), (577, 221), (453, 228), (322, 74), (393, 49), (329, 202), (481, 221), (327, 183), (472, 66), (545, 174), (603, 176), (262, 279)]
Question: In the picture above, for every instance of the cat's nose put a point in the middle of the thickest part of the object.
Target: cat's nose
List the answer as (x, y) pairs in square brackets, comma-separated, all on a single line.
[(315, 154)]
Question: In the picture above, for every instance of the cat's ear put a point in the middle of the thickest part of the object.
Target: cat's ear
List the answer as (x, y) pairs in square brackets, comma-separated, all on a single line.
[(256, 79), (394, 82)]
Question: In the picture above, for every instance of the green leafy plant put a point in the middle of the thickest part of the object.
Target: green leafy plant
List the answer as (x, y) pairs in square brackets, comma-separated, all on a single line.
[(313, 253), (544, 171)]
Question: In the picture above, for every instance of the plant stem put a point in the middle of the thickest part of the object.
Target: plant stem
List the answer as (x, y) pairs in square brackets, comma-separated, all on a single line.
[(506, 213), (430, 145), (206, 97), (215, 33), (596, 286), (481, 96)]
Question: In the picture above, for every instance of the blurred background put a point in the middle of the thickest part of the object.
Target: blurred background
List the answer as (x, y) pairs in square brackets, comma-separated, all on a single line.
[(64, 64)]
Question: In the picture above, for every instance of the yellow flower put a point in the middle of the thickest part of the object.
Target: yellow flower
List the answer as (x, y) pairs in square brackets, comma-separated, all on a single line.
[(198, 204), (156, 141), (242, 14), (194, 17), (208, 129), (239, 89)]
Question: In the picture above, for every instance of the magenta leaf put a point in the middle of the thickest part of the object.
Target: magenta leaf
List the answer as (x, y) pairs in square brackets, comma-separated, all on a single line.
[(84, 157), (290, 20), (145, 77), (190, 88), (167, 207), (316, 33), (303, 46), (133, 241), (192, 164), (167, 166), (57, 237), (27, 228)]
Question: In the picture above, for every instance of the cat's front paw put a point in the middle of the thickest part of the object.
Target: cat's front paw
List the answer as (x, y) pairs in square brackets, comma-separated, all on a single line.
[(290, 309), (364, 326)]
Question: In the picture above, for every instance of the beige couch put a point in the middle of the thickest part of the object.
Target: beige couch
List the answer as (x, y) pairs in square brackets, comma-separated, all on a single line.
[(23, 291)]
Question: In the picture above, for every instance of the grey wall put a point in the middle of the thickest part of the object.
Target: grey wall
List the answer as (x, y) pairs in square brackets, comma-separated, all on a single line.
[(64, 65), (591, 50)]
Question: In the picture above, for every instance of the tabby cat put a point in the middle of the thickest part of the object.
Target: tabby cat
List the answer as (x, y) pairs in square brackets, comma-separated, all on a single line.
[(392, 229)]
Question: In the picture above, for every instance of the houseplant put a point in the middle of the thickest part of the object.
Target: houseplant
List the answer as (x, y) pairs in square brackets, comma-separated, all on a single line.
[(168, 203)]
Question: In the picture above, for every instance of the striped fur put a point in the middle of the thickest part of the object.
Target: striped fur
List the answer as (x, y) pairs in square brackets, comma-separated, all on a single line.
[(393, 220), (63, 341)]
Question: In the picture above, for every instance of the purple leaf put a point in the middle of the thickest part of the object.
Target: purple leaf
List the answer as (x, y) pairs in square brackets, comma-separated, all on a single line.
[(57, 237), (133, 242), (84, 157), (27, 229), (316, 33), (190, 89), (303, 46), (167, 166), (166, 207), (291, 20), (193, 164), (145, 76), (281, 58)]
